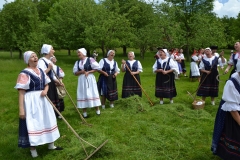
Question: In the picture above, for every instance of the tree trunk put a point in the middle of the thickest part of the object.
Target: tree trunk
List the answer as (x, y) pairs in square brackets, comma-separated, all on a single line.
[(69, 52), (124, 50), (20, 54)]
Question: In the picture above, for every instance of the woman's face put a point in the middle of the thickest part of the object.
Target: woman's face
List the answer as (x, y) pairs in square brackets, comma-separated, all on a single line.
[(80, 55), (208, 52), (111, 54), (237, 46), (51, 53), (162, 54), (130, 56), (33, 60)]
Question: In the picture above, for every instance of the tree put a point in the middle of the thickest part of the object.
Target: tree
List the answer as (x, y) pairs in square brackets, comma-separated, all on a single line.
[(20, 26)]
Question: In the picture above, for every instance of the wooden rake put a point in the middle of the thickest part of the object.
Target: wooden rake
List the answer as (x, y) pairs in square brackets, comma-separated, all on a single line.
[(83, 120), (75, 133), (139, 85)]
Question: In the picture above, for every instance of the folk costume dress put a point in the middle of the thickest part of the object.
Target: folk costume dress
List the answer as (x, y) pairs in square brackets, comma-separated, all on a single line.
[(130, 86), (181, 56), (87, 92), (226, 139), (233, 61), (52, 91), (40, 126), (209, 84), (194, 67), (165, 84), (107, 86)]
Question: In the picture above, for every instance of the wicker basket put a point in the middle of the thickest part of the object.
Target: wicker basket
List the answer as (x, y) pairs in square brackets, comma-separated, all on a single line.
[(198, 106)]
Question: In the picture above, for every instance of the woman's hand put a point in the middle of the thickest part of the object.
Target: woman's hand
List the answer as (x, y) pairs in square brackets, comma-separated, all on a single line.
[(43, 93), (86, 74)]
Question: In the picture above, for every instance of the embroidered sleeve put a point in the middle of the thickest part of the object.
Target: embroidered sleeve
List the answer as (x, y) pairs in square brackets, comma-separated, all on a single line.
[(23, 81)]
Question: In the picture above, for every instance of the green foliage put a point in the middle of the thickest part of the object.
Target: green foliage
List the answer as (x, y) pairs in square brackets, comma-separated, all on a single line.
[(134, 128)]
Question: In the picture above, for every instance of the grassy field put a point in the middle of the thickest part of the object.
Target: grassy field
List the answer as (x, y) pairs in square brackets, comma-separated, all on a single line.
[(134, 128)]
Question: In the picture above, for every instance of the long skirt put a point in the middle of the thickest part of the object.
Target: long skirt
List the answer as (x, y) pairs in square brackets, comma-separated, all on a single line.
[(87, 92), (40, 126), (107, 86), (209, 85), (183, 66), (229, 143), (165, 86), (130, 86)]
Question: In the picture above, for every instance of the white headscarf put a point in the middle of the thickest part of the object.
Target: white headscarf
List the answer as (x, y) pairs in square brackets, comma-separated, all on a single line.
[(83, 51), (46, 48), (110, 52), (208, 49), (27, 55)]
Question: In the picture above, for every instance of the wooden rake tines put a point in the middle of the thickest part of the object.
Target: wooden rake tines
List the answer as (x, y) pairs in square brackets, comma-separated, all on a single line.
[(75, 133), (139, 85), (83, 120)]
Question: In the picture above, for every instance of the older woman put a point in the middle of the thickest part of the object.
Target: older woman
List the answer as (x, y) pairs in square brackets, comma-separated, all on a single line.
[(130, 86), (107, 83), (164, 67), (46, 65), (208, 83), (37, 122), (87, 93), (233, 59)]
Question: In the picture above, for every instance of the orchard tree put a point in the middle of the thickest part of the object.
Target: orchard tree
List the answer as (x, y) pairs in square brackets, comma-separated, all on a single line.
[(20, 26)]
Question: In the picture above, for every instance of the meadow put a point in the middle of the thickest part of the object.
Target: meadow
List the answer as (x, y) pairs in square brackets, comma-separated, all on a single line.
[(134, 129)]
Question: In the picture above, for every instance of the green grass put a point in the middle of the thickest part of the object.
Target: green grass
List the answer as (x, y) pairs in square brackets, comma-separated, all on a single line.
[(134, 128)]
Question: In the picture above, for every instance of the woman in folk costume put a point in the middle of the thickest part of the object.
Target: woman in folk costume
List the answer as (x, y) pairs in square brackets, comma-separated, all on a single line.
[(130, 86), (172, 53), (194, 70), (60, 75), (209, 83), (182, 62), (37, 122), (226, 139), (46, 65), (178, 60), (107, 83), (164, 67), (233, 59), (87, 92)]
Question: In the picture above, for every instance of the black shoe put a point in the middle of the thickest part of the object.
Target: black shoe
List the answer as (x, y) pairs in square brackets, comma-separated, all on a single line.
[(58, 148)]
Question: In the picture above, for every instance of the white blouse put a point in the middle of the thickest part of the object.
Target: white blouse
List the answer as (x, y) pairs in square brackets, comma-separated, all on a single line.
[(94, 64), (24, 79), (111, 63), (172, 64), (131, 64), (231, 95)]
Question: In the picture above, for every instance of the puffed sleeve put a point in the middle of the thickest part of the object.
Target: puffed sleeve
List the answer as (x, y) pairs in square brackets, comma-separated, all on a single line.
[(75, 67), (173, 66), (155, 67), (201, 65), (231, 60), (94, 64), (23, 81), (116, 68), (101, 63), (61, 73), (231, 96), (221, 63), (195, 58), (140, 69), (41, 64)]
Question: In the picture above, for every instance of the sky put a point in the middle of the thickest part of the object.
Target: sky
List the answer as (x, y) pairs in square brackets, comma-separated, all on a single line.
[(231, 8)]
